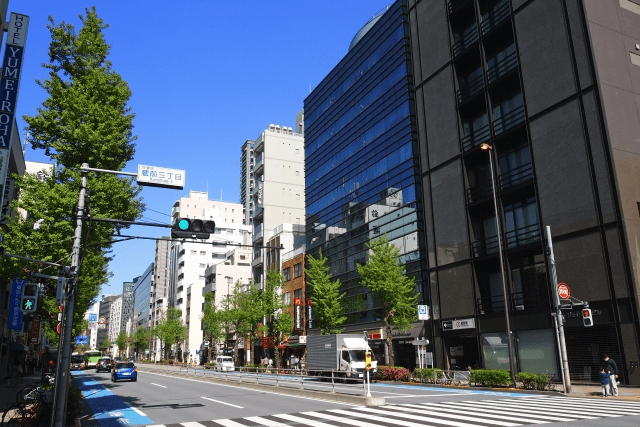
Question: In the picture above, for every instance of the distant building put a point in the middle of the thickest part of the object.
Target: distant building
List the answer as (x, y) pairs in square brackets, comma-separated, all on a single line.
[(142, 295), (115, 316), (104, 313), (247, 182)]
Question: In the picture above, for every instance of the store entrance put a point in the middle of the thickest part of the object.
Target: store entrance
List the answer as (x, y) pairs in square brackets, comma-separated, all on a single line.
[(462, 352)]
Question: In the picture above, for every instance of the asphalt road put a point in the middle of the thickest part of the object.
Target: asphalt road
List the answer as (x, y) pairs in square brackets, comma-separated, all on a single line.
[(157, 399)]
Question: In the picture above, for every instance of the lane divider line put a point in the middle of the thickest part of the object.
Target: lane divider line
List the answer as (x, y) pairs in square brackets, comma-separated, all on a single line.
[(163, 386), (224, 403)]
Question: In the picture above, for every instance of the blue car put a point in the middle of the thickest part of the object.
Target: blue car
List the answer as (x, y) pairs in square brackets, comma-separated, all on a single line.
[(124, 371)]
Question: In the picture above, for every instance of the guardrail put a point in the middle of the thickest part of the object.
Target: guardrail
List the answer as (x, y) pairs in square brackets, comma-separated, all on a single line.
[(265, 376)]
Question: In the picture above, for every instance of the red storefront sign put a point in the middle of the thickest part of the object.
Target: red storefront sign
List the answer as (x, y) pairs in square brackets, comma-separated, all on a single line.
[(268, 342)]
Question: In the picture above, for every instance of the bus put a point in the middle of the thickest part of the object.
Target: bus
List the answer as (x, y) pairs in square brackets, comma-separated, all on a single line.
[(91, 358)]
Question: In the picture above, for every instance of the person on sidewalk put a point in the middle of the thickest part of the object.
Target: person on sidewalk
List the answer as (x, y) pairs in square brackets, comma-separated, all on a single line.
[(604, 380), (612, 369)]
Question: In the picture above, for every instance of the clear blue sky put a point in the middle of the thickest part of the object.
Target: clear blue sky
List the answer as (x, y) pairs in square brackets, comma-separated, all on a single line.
[(205, 76)]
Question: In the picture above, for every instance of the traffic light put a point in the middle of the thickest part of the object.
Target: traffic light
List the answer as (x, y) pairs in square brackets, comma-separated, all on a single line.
[(192, 228), (587, 320), (29, 300), (367, 360)]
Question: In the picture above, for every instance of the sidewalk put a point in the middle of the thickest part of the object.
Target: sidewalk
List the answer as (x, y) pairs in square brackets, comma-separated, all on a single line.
[(8, 393), (624, 392)]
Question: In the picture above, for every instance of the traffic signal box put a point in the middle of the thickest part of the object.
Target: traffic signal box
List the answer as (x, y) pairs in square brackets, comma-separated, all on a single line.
[(192, 228), (587, 319), (29, 300), (367, 360)]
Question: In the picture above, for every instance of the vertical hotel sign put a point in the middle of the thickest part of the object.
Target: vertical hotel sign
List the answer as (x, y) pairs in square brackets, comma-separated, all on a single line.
[(9, 82)]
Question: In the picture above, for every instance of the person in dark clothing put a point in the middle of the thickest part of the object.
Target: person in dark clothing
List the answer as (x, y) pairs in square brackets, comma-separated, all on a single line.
[(611, 368), (604, 380)]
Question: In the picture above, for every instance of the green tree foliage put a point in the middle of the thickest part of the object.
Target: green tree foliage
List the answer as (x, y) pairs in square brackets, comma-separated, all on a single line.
[(326, 296), (385, 277), (140, 339), (251, 314), (213, 322), (280, 320), (105, 344), (85, 119), (121, 342), (171, 329)]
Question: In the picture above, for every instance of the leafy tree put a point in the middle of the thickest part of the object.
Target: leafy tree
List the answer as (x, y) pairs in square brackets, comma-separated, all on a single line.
[(140, 339), (326, 296), (105, 344), (251, 313), (213, 323), (121, 342), (171, 329), (385, 277), (280, 320), (84, 119)]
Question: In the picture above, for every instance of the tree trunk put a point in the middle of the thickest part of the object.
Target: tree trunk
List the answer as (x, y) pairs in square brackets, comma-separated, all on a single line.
[(390, 344), (276, 352)]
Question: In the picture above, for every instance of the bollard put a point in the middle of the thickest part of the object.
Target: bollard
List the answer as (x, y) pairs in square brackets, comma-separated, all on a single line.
[(277, 373), (333, 386)]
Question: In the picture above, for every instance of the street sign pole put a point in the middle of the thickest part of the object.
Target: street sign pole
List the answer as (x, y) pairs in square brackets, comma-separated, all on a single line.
[(557, 316)]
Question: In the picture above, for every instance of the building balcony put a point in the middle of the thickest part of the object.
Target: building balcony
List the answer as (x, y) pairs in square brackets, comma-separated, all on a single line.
[(497, 14), (470, 88), (465, 39), (498, 68), (258, 213), (516, 177), (454, 5), (511, 239), (259, 167), (509, 120), (476, 137), (517, 301)]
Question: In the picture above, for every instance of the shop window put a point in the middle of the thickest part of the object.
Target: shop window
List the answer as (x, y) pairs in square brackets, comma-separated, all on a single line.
[(297, 270), (287, 274)]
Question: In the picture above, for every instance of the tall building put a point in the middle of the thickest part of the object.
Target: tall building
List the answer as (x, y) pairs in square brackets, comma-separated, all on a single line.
[(246, 182), (143, 299), (115, 316), (189, 259), (362, 168), (161, 276), (104, 314), (551, 86), (127, 303), (279, 192)]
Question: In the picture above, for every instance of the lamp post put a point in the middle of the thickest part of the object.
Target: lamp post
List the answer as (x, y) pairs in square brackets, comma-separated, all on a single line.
[(512, 367)]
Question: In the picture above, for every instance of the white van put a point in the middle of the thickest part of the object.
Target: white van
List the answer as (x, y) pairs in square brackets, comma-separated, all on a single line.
[(224, 363)]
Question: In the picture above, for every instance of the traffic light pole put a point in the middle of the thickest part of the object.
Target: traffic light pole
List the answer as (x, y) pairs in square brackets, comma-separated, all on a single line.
[(62, 381), (557, 316)]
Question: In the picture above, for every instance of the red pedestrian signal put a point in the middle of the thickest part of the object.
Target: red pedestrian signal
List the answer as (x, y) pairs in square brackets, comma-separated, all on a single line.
[(587, 319)]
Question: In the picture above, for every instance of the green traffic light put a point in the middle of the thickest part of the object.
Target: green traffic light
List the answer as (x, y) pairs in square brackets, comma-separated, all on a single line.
[(183, 224), (28, 304)]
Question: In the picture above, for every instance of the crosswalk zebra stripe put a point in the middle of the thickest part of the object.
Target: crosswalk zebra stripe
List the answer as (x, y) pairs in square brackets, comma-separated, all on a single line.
[(229, 423), (591, 404), (574, 411), (604, 403), (354, 422), (527, 409), (304, 421), (483, 412), (389, 410), (265, 422), (473, 408)]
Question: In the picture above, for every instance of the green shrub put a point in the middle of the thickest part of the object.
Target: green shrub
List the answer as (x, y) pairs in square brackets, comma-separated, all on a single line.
[(533, 381), (491, 378), (393, 373), (427, 375)]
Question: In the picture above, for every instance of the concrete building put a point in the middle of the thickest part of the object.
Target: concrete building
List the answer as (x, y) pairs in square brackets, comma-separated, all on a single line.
[(115, 317), (551, 86), (189, 259), (279, 193), (246, 182), (104, 312), (127, 303)]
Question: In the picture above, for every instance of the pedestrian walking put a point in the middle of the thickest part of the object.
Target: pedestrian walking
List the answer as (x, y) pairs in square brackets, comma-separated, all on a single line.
[(604, 380), (611, 368)]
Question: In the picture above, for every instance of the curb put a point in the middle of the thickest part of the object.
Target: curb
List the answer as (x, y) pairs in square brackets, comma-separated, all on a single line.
[(335, 397)]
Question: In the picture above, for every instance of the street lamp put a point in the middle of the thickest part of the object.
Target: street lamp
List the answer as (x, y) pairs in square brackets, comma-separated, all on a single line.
[(512, 368)]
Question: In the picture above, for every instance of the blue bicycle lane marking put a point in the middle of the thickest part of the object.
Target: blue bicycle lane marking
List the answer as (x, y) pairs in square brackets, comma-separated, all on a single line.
[(108, 409), (456, 390)]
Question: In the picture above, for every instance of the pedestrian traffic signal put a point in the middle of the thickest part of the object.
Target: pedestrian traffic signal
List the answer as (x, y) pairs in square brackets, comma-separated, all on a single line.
[(587, 320), (367, 359), (29, 300), (192, 228)]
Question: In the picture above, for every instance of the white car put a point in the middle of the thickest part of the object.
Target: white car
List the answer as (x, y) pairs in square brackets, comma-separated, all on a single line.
[(224, 363)]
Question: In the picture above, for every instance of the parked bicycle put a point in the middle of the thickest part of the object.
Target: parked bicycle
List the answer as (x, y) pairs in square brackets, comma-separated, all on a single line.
[(34, 406)]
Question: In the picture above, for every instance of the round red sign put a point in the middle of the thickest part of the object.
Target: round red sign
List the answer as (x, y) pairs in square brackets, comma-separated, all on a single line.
[(564, 291), (58, 328)]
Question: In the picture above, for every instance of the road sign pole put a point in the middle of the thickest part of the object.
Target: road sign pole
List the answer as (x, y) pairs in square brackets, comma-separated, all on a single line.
[(562, 347)]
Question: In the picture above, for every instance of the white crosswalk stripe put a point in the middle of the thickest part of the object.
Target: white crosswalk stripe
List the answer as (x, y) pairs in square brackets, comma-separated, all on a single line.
[(508, 412)]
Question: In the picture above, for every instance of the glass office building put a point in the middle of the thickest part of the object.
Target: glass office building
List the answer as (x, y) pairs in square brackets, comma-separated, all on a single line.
[(361, 160)]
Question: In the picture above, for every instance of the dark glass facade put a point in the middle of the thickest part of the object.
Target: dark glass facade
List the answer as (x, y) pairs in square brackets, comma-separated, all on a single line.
[(361, 161)]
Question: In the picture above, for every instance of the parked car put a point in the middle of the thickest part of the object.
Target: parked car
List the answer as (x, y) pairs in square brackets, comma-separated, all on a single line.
[(77, 361), (224, 363), (104, 364), (124, 371)]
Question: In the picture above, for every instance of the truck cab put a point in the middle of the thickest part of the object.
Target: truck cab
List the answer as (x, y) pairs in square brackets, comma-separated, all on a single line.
[(353, 361)]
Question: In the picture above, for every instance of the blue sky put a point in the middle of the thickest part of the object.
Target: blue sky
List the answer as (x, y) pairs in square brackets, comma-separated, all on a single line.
[(205, 76)]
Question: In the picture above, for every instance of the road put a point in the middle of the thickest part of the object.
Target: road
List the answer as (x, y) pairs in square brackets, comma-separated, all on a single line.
[(160, 400)]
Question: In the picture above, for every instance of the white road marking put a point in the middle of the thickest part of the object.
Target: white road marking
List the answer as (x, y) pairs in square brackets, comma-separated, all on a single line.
[(424, 395), (163, 386), (139, 411), (224, 403)]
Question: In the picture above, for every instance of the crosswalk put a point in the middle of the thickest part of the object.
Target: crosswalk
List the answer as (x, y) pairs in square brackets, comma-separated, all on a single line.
[(469, 413)]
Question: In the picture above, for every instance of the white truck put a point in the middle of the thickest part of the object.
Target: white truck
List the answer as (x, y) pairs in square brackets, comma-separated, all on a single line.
[(342, 353)]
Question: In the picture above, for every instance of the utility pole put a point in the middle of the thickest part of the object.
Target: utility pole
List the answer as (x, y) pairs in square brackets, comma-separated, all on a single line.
[(62, 381), (557, 316)]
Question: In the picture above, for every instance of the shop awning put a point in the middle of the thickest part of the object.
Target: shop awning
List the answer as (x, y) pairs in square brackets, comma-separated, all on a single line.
[(296, 345)]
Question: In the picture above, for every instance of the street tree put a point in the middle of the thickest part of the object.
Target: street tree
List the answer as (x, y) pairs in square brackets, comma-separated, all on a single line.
[(213, 323), (106, 343), (85, 118), (279, 320), (385, 277), (326, 296), (252, 314), (121, 342), (140, 340)]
